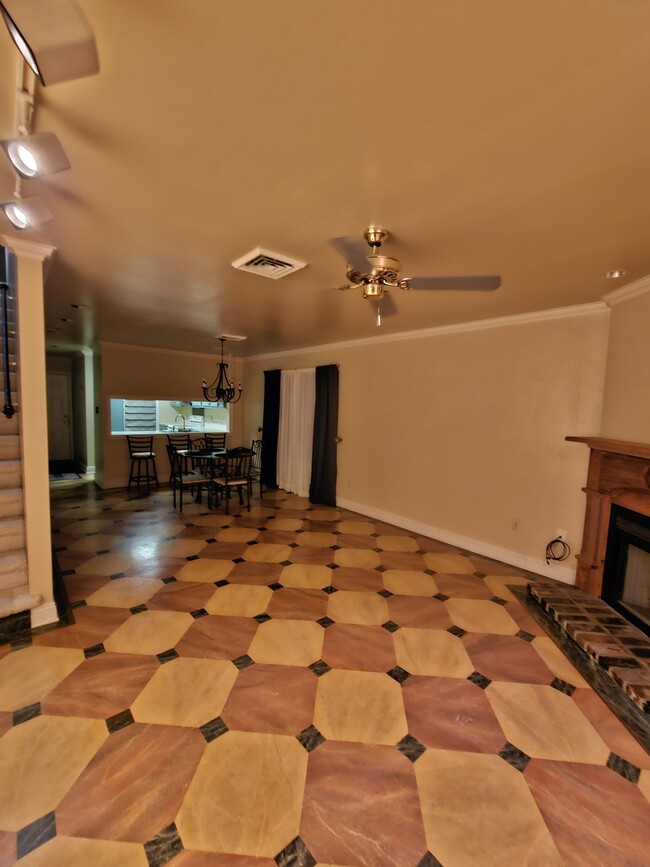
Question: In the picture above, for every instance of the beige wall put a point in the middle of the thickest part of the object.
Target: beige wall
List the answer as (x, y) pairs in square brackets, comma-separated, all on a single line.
[(461, 432), (626, 406), (140, 373)]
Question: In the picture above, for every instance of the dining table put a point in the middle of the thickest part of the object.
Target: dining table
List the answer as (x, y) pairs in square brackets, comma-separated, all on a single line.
[(207, 460)]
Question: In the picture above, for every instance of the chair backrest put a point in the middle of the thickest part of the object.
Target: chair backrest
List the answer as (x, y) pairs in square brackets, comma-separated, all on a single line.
[(215, 441), (256, 448), (175, 462), (179, 440), (139, 444), (237, 464)]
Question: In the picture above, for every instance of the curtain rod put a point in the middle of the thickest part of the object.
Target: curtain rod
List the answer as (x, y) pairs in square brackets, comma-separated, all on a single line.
[(302, 369)]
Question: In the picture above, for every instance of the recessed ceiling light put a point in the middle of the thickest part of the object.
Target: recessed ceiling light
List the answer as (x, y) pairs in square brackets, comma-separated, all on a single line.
[(35, 155), (230, 337), (25, 213), (614, 275)]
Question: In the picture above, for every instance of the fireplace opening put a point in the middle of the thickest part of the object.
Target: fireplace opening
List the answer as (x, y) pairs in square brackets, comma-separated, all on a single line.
[(626, 576)]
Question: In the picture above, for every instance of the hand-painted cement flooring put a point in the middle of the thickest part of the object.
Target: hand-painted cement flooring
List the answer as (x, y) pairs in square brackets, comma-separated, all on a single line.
[(297, 686)]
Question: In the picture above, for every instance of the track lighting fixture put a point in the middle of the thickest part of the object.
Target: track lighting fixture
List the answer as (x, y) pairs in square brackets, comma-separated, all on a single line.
[(53, 36), (36, 155), (26, 213)]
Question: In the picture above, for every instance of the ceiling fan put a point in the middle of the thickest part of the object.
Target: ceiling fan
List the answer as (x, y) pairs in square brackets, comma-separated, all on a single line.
[(376, 274)]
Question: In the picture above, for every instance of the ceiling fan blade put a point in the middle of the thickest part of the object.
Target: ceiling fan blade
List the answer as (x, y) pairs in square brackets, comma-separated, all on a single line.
[(352, 252), (484, 282)]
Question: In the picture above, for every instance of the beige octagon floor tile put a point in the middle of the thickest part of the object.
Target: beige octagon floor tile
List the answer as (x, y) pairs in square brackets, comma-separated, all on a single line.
[(545, 723), (557, 661), (93, 525), (481, 615), (291, 525), (356, 558), (106, 564), (397, 543), (306, 577), (42, 758), (149, 632), (239, 600), (214, 519), (316, 539), (246, 795), (478, 810), (182, 547), (287, 642), (431, 652), (357, 606), (207, 570), (69, 851), (185, 692), (267, 553), (356, 528), (361, 706), (454, 564), (320, 514), (125, 592), (404, 582), (94, 543), (28, 675), (237, 534)]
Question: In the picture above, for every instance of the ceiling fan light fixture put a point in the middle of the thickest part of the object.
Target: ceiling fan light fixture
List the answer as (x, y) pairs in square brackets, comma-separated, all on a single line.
[(26, 213), (36, 155), (53, 37)]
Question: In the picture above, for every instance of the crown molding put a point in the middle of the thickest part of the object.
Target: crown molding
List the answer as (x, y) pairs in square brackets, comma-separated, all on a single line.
[(105, 344), (625, 293), (596, 307), (28, 249)]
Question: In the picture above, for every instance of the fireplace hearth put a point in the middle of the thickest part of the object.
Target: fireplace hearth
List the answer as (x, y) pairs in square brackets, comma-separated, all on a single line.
[(626, 574)]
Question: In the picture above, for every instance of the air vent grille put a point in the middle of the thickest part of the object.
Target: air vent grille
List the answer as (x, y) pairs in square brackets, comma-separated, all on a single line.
[(268, 264)]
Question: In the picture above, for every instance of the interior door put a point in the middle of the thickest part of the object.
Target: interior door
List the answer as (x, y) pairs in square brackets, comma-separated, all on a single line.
[(59, 432)]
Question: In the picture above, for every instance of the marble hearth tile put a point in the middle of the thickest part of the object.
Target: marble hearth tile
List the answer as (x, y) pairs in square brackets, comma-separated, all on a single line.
[(262, 553), (419, 612), (360, 706), (149, 632), (506, 657), (126, 593), (477, 809), (360, 648), (287, 642), (463, 717), (42, 758), (26, 676), (131, 789), (275, 699), (611, 730), (238, 534), (106, 564), (306, 576), (380, 825), (246, 795), (68, 851), (239, 600), (181, 596), (546, 723), (594, 815), (351, 606), (205, 570), (296, 603), (215, 637), (431, 652), (185, 692), (557, 661), (397, 543), (357, 528), (454, 564), (101, 686), (480, 615), (92, 625), (409, 583), (356, 559)]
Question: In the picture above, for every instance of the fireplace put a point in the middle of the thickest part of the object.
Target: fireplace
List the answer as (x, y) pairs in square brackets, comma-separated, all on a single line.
[(626, 573)]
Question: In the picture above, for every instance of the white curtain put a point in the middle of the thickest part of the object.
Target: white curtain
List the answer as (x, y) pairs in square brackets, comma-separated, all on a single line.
[(296, 430)]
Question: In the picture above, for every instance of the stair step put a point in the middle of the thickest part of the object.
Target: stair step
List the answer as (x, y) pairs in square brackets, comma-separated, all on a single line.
[(11, 502), (12, 535), (10, 474), (13, 570), (9, 447), (17, 599), (8, 425)]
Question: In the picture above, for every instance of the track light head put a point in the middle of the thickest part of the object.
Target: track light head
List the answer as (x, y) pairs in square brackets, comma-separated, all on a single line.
[(36, 155), (26, 213), (53, 37)]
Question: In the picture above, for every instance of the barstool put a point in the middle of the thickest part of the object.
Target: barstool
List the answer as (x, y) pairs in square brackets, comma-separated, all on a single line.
[(142, 454)]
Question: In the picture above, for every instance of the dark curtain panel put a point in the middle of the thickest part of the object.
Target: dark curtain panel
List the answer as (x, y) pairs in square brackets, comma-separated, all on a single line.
[(326, 418), (270, 425)]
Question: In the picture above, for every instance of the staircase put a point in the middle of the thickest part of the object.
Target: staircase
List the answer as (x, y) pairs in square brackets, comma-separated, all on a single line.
[(14, 580)]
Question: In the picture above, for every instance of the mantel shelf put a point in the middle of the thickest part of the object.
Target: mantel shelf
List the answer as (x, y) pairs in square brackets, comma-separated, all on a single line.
[(615, 447)]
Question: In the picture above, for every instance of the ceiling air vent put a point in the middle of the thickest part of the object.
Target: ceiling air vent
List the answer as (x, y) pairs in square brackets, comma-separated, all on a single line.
[(267, 264)]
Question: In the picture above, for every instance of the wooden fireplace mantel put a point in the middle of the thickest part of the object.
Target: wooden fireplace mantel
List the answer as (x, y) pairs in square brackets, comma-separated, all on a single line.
[(619, 473)]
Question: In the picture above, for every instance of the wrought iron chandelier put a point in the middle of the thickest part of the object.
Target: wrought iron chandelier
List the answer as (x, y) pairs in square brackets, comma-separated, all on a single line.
[(222, 389)]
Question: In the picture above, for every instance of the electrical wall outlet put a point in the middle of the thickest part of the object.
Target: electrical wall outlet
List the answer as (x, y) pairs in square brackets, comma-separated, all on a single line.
[(560, 534)]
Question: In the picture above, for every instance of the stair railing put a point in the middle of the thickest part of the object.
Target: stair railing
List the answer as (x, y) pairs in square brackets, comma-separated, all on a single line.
[(8, 408)]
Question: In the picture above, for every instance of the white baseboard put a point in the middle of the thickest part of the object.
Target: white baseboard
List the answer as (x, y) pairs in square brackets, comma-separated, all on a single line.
[(513, 558), (44, 614), (89, 468)]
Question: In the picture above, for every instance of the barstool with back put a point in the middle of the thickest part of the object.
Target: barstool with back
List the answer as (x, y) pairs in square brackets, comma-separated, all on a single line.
[(143, 461)]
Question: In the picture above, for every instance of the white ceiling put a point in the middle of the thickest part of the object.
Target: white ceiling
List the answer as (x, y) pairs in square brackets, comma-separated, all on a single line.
[(489, 136)]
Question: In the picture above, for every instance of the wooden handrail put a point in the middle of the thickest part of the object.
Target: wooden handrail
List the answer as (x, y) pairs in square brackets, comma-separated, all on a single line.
[(8, 408)]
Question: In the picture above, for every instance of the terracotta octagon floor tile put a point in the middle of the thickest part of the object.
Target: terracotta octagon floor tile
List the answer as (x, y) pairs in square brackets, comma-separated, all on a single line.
[(255, 573), (360, 648), (131, 790), (454, 564), (149, 632), (463, 586), (181, 596), (246, 795), (276, 699), (28, 675), (297, 603), (238, 534), (92, 625), (106, 564), (505, 657), (125, 592), (216, 637), (357, 559), (361, 607), (361, 807), (68, 851), (611, 730), (431, 652), (309, 556), (405, 583), (210, 859), (348, 540), (287, 642), (263, 553), (397, 543), (101, 686), (557, 661), (348, 578), (356, 528), (481, 615), (8, 843), (80, 586), (594, 815), (316, 540), (239, 600), (6, 722), (418, 612), (463, 717), (205, 570)]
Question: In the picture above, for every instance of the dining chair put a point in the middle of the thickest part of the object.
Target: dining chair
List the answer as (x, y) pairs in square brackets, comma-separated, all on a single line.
[(182, 481), (215, 441), (143, 461), (256, 464), (234, 474), (180, 441)]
